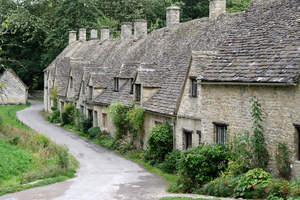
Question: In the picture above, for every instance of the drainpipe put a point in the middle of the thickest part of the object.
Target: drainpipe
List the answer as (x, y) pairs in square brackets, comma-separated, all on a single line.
[(247, 84)]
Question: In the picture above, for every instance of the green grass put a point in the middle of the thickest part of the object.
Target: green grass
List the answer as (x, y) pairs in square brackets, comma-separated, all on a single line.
[(179, 198), (12, 119), (27, 156)]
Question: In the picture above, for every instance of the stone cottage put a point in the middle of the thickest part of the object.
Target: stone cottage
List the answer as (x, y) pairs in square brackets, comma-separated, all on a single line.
[(259, 58), (198, 76), (13, 90)]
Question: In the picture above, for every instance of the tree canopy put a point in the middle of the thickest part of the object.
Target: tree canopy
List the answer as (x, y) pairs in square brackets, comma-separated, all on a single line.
[(34, 32)]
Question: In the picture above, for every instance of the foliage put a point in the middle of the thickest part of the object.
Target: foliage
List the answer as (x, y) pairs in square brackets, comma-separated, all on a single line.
[(233, 6), (160, 141), (135, 117), (102, 133), (14, 161), (106, 141), (68, 115), (171, 163), (63, 157), (220, 187), (2, 119), (53, 96), (124, 145), (87, 123), (199, 165), (118, 114), (92, 132), (282, 158), (260, 153), (251, 179), (54, 117)]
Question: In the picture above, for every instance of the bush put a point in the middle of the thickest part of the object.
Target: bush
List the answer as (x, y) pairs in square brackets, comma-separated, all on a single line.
[(253, 178), (160, 141), (199, 165), (283, 162), (106, 141), (63, 156), (220, 188), (92, 132), (171, 163), (124, 145), (102, 133), (87, 124), (53, 117), (68, 115)]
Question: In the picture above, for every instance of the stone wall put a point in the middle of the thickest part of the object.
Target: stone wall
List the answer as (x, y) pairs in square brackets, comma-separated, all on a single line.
[(36, 93), (230, 105), (14, 91)]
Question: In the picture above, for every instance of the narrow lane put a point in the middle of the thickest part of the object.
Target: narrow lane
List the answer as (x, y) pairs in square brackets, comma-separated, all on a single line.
[(102, 174)]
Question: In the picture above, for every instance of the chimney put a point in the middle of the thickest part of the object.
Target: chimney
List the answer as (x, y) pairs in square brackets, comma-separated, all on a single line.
[(126, 30), (94, 33), (72, 36), (82, 34), (104, 33), (216, 8), (173, 14), (140, 28)]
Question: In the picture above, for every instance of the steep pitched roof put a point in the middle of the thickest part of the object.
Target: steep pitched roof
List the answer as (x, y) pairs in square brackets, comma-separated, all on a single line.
[(15, 75), (77, 71), (263, 46), (62, 75)]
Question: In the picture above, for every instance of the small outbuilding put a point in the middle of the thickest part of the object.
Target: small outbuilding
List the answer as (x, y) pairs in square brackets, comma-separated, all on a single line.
[(13, 90)]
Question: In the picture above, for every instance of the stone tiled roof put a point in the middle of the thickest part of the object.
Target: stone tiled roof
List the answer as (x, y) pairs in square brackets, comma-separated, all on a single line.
[(151, 77), (62, 75), (169, 49), (101, 80), (128, 70), (77, 71), (15, 75), (264, 46)]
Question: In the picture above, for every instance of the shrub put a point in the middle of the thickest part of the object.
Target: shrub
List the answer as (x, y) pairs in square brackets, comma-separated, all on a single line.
[(220, 187), (125, 144), (283, 162), (102, 133), (63, 156), (68, 115), (160, 141), (53, 117), (92, 132), (171, 163), (87, 124), (255, 177), (106, 141), (199, 165), (279, 188), (118, 113)]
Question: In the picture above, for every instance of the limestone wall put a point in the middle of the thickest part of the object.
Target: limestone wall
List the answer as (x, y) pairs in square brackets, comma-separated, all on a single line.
[(14, 91), (109, 127), (230, 105)]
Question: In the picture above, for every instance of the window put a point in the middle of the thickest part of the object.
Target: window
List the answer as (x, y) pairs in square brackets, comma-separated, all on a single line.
[(104, 119), (297, 139), (62, 104), (81, 109), (71, 81), (91, 92), (116, 84), (221, 133), (194, 88), (83, 87), (90, 114), (131, 89), (138, 92), (187, 137)]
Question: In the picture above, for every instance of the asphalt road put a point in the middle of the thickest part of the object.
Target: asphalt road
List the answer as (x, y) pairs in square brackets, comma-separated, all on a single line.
[(102, 174)]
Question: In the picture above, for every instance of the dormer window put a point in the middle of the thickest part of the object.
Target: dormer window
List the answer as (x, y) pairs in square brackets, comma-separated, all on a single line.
[(131, 89), (91, 92), (138, 92), (116, 84), (71, 81), (193, 86), (83, 87)]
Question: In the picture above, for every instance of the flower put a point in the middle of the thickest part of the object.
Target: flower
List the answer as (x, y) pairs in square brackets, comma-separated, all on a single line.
[(120, 115), (246, 167), (124, 123), (243, 146), (238, 150), (233, 154)]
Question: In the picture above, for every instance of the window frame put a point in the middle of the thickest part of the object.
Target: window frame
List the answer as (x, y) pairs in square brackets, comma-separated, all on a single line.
[(71, 82), (221, 132), (132, 86), (138, 92), (297, 127), (116, 84), (104, 120), (91, 92), (83, 86), (188, 138), (194, 87)]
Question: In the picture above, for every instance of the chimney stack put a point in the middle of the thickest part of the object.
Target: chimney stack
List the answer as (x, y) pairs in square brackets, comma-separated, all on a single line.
[(216, 8), (104, 33), (82, 34), (94, 33), (72, 36), (126, 30), (173, 15), (140, 28)]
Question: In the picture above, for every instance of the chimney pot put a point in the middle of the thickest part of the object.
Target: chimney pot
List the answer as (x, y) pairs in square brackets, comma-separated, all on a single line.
[(140, 28), (94, 32), (104, 33), (82, 34), (216, 8), (72, 36), (173, 15), (126, 30)]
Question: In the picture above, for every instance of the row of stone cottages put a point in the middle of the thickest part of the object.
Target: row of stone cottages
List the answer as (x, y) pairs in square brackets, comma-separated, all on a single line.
[(198, 76)]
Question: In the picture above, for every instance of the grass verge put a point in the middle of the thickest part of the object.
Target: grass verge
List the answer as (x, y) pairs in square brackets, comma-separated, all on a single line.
[(27, 156), (179, 198)]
